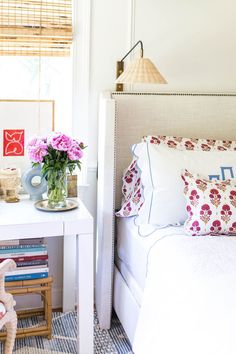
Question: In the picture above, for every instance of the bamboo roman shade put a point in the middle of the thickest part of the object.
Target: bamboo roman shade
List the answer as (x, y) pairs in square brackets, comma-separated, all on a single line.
[(35, 27)]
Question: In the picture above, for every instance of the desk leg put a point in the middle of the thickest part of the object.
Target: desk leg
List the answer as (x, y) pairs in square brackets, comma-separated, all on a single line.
[(69, 271), (85, 293)]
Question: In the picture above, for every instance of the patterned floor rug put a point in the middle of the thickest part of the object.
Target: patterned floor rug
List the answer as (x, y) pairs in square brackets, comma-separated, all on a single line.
[(113, 341)]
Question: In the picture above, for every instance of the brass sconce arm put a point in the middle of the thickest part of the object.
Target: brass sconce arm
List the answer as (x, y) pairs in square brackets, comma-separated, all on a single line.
[(139, 71), (120, 64), (141, 43)]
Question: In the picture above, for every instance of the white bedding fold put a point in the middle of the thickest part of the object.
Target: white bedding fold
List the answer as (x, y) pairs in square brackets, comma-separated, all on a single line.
[(133, 245), (189, 301)]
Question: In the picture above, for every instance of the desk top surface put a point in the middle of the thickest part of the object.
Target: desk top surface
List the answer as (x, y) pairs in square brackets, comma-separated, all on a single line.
[(24, 216)]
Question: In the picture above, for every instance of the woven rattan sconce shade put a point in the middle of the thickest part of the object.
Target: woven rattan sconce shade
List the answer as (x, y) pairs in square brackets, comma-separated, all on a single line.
[(35, 27), (139, 71)]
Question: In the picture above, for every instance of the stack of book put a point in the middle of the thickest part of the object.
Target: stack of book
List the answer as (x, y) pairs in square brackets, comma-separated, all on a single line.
[(31, 258)]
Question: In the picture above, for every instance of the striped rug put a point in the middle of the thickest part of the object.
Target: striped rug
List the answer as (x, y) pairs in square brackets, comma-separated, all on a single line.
[(113, 341)]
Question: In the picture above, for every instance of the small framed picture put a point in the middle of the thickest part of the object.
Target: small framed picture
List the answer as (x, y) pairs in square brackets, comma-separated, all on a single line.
[(20, 120)]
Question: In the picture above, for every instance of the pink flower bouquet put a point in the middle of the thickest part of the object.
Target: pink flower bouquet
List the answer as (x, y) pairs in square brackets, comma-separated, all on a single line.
[(56, 153)]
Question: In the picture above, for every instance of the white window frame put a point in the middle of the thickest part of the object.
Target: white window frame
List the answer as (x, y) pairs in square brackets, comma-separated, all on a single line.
[(81, 72)]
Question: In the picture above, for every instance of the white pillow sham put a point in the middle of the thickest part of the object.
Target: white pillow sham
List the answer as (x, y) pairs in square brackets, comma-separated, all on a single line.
[(164, 202)]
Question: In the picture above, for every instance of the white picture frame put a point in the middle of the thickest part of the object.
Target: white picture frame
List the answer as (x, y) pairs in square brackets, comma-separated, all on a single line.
[(20, 120)]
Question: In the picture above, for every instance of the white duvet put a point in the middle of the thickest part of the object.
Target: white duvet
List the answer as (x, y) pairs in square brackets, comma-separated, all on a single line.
[(189, 301)]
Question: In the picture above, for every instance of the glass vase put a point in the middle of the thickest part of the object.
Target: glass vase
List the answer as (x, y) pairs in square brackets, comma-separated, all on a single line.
[(57, 189)]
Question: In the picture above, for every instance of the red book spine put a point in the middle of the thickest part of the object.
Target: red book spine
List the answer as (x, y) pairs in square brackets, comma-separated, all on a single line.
[(26, 259)]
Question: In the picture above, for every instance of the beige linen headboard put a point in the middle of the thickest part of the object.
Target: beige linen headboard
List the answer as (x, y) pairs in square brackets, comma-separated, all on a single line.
[(126, 117)]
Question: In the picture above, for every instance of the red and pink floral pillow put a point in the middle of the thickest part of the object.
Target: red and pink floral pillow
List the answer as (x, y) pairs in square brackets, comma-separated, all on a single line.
[(180, 143), (211, 206), (132, 188)]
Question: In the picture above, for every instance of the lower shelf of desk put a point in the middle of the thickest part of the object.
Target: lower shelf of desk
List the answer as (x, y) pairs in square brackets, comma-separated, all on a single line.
[(43, 287)]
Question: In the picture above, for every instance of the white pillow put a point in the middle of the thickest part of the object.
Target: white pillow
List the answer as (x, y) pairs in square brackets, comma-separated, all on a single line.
[(164, 203)]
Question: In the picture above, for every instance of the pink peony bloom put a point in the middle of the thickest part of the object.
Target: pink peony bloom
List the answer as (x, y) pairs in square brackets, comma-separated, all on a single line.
[(37, 149), (58, 151), (74, 153), (60, 142)]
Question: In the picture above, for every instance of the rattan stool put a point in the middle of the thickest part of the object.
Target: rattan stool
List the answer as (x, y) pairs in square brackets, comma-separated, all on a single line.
[(37, 286)]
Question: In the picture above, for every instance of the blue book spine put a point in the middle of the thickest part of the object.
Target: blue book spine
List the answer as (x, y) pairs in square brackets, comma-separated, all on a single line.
[(22, 249), (11, 247), (26, 276)]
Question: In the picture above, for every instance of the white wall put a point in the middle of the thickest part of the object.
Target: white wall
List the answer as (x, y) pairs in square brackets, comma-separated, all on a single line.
[(109, 40), (191, 42)]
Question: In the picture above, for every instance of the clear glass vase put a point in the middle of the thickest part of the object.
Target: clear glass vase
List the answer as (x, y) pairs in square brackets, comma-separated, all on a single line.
[(57, 189)]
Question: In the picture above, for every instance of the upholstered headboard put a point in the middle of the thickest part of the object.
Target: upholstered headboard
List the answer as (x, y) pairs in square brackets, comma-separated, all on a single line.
[(124, 118)]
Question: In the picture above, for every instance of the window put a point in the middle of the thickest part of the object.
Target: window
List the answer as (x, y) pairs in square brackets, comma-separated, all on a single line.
[(40, 78), (35, 39)]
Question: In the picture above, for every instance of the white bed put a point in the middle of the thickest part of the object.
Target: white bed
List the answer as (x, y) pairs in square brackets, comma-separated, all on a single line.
[(188, 305), (124, 119), (133, 246), (132, 249)]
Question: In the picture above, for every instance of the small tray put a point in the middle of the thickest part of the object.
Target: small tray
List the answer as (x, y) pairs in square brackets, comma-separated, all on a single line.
[(43, 205)]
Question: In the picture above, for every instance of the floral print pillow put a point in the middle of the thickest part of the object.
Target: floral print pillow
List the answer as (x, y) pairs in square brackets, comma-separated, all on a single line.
[(132, 188), (191, 143), (211, 206)]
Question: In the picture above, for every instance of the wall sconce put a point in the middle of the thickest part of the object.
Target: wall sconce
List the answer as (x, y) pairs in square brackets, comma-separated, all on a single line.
[(140, 70)]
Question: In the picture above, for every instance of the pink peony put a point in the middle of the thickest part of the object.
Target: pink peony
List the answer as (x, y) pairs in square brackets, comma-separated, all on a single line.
[(60, 142), (74, 152), (37, 149), (57, 151)]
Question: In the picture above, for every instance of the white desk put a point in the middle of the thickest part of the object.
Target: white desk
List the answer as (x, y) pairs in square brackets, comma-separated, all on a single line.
[(23, 220)]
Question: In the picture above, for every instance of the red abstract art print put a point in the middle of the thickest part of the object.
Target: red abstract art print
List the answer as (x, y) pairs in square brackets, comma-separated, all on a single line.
[(13, 142)]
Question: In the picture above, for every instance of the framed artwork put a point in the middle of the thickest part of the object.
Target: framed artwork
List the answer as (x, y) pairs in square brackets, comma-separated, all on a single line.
[(19, 121)]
